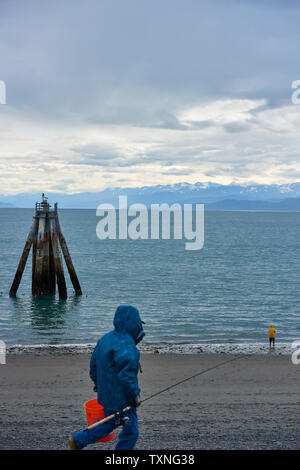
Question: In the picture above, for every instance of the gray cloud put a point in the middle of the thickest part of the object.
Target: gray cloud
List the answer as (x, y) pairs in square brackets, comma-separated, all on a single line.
[(95, 85), (236, 127), (110, 61)]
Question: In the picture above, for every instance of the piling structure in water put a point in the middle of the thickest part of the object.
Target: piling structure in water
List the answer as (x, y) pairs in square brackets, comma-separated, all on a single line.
[(46, 238)]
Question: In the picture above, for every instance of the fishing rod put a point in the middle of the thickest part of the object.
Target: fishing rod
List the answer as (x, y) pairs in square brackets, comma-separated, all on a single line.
[(123, 420)]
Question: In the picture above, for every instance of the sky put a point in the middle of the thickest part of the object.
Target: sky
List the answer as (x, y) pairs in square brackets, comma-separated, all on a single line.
[(114, 93)]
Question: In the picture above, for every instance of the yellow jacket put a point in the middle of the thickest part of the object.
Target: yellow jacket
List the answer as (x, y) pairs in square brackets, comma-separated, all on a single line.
[(272, 332)]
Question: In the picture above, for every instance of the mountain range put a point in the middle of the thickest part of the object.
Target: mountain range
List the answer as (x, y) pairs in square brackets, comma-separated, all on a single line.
[(285, 197)]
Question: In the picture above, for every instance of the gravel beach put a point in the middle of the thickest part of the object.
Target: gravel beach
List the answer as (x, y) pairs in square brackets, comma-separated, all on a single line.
[(250, 403)]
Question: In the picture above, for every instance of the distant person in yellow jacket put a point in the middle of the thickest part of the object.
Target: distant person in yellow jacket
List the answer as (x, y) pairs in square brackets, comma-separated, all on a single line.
[(272, 334)]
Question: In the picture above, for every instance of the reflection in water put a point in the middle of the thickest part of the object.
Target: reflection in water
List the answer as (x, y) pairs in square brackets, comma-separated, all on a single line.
[(46, 314)]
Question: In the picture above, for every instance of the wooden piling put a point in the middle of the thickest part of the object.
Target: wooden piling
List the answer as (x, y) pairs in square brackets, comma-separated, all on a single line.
[(68, 259), (41, 275), (34, 243), (52, 275), (57, 261), (23, 260), (45, 235)]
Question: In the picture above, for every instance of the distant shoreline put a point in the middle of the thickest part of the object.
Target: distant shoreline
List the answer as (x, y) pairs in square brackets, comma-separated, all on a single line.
[(206, 208), (215, 196)]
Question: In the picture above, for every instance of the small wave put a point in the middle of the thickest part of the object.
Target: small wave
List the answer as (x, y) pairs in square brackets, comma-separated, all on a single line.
[(158, 348), (218, 348), (56, 349)]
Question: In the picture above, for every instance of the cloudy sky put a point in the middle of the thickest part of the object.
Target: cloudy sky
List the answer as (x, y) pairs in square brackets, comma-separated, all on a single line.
[(105, 93)]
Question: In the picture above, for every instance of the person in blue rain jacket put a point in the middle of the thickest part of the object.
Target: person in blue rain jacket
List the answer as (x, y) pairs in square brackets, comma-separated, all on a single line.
[(114, 368)]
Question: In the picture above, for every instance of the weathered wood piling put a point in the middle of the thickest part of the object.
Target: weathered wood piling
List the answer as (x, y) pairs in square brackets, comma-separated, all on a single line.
[(45, 235)]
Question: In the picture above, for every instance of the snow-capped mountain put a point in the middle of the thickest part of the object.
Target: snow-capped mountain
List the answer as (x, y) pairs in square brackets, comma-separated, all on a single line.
[(208, 193)]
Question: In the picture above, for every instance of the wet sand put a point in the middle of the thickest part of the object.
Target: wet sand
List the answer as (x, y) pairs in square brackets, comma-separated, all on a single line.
[(251, 403)]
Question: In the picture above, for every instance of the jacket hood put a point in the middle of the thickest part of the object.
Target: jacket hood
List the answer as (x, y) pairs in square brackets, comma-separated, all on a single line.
[(127, 320)]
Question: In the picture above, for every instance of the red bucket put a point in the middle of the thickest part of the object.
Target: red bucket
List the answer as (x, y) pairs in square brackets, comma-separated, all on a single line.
[(95, 412)]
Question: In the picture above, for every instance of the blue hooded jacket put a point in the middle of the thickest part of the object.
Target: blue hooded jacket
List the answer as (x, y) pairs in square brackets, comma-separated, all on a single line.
[(115, 361)]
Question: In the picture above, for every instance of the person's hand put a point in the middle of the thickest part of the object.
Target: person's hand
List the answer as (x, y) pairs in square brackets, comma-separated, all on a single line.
[(95, 389), (137, 401)]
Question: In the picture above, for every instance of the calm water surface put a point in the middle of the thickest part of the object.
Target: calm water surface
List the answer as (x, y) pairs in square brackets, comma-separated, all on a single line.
[(246, 277)]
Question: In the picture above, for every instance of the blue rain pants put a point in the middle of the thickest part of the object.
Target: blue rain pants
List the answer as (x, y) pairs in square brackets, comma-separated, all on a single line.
[(127, 437)]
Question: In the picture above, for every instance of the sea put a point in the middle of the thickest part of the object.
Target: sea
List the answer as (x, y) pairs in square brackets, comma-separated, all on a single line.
[(221, 298)]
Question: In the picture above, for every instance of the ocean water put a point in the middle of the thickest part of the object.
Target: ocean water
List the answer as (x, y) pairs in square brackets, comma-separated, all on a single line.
[(224, 296)]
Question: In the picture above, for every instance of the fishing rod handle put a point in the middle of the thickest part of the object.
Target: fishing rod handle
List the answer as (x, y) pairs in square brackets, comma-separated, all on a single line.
[(97, 423)]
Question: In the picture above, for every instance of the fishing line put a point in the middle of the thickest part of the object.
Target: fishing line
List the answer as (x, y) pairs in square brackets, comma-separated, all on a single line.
[(193, 376)]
